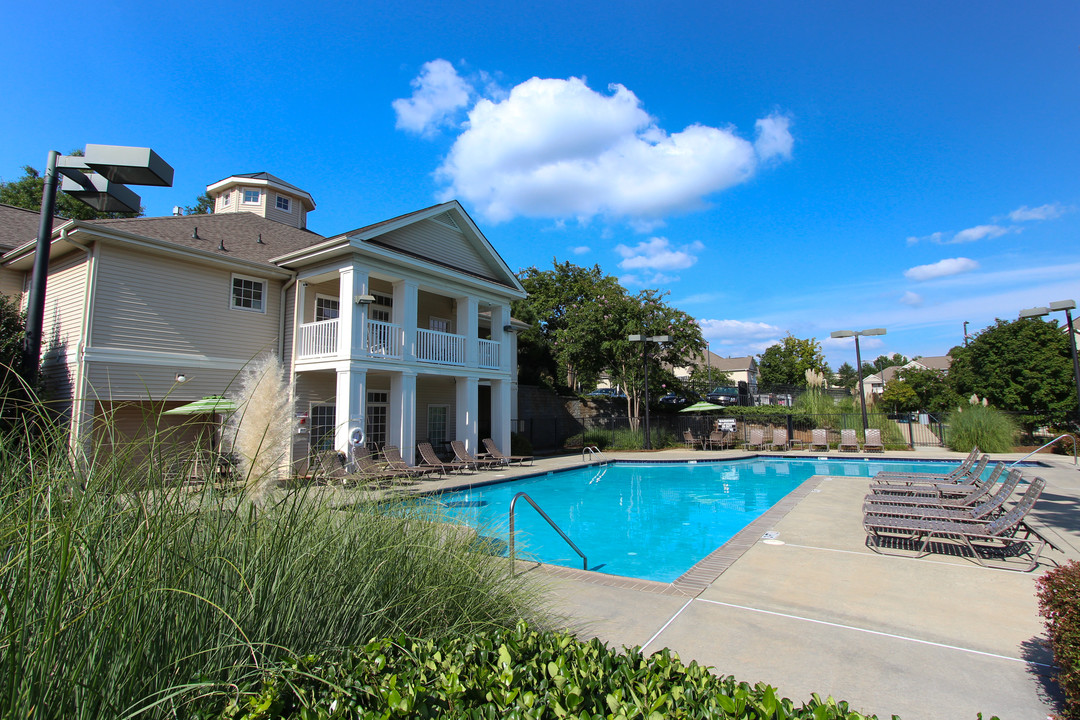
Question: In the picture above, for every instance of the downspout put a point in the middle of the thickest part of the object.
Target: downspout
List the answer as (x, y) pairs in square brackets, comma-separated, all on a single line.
[(292, 357), (281, 335)]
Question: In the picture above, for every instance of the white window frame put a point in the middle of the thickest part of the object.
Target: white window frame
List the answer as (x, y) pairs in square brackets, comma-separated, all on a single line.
[(225, 198), (317, 437), (320, 296), (244, 196), (432, 321), (382, 308), (377, 409), (283, 199), (445, 423), (247, 278)]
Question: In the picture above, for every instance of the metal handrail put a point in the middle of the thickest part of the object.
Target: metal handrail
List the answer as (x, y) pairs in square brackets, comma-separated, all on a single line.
[(1066, 435), (584, 560), (593, 451)]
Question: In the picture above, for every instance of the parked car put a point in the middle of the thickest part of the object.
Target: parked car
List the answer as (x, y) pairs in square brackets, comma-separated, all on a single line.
[(724, 396), (673, 399)]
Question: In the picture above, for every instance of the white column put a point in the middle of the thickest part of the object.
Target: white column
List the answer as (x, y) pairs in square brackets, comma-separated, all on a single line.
[(468, 311), (349, 405), (406, 293), (500, 318), (402, 420), (353, 282), (467, 402), (500, 414)]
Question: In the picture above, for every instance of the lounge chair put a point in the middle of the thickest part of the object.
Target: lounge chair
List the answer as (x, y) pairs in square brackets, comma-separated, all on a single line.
[(431, 460), (873, 441), (394, 461), (849, 440), (958, 473), (780, 439), (913, 484), (757, 439), (493, 451), (464, 456), (369, 469), (1005, 534), (988, 508), (933, 498), (819, 439)]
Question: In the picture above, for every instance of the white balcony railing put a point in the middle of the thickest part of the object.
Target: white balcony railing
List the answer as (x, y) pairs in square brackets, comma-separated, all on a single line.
[(489, 354), (439, 347), (318, 339), (383, 339)]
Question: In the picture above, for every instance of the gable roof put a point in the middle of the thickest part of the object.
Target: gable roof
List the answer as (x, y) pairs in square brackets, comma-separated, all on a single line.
[(264, 178), (933, 362), (19, 226)]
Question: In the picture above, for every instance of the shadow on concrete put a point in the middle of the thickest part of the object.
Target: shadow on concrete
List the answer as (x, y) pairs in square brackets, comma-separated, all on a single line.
[(1038, 656)]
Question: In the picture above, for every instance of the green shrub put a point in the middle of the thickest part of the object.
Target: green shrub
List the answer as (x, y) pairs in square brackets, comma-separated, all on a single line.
[(1059, 602), (629, 439), (987, 428), (520, 445), (506, 674), (113, 597)]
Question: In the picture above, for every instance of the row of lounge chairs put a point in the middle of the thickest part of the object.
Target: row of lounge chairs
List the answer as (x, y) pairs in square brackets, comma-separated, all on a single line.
[(919, 513), (389, 468), (849, 440)]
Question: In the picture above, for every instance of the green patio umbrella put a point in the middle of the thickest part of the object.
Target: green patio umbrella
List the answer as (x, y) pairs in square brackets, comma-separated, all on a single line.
[(700, 407), (215, 404)]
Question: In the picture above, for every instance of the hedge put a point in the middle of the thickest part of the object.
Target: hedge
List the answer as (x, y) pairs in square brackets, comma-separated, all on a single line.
[(1059, 603), (505, 675)]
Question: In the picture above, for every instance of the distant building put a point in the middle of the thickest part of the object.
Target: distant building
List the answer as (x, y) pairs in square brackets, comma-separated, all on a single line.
[(739, 369)]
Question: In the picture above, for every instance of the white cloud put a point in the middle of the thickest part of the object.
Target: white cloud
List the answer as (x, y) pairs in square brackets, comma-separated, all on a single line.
[(556, 148), (933, 237), (773, 138), (1050, 211), (911, 298), (658, 254), (737, 332), (437, 93), (652, 280), (580, 249), (980, 232), (940, 269)]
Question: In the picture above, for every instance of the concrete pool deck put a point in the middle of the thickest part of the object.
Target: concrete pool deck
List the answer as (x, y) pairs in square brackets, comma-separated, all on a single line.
[(936, 637)]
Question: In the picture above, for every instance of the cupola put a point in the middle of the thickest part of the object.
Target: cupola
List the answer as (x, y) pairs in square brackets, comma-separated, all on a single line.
[(264, 195)]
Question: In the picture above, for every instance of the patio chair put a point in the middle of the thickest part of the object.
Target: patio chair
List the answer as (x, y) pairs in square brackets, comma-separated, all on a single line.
[(326, 466), (394, 461), (780, 439), (986, 509), (819, 439), (719, 439), (493, 451), (463, 455), (873, 441), (757, 439), (933, 498), (848, 440), (959, 472), (431, 460), (371, 472), (1007, 534), (692, 442), (930, 485)]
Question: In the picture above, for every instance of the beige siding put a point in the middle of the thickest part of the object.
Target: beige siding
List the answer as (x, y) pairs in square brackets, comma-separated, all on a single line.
[(147, 302), (293, 218), (312, 388), (61, 333), (288, 331), (330, 288), (11, 282), (438, 242), (137, 382), (136, 432), (429, 305), (435, 391)]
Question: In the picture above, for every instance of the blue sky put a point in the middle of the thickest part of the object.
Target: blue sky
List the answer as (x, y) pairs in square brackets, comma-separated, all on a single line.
[(777, 166)]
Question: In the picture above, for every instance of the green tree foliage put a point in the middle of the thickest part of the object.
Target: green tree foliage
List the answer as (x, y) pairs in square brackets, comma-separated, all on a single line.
[(898, 396), (932, 390), (1023, 366), (846, 377), (787, 363), (27, 190), (204, 205)]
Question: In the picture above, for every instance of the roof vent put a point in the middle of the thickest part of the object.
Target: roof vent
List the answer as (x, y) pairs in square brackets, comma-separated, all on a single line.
[(195, 233), (259, 241), (446, 219), (177, 211)]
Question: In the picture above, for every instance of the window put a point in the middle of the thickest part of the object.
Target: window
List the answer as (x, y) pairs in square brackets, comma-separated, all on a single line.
[(380, 309), (377, 408), (322, 428), (439, 324), (436, 424), (225, 198), (251, 197), (326, 307), (248, 293), (283, 203)]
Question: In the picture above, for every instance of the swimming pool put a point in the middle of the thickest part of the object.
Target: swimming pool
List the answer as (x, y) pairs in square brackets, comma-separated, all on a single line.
[(651, 521)]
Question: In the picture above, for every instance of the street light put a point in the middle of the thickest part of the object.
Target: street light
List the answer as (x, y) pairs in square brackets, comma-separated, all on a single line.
[(645, 360), (858, 362), (96, 178), (1067, 306)]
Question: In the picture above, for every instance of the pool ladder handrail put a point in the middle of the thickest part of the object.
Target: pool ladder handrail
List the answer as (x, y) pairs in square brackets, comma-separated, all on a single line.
[(593, 452), (1066, 435), (556, 528)]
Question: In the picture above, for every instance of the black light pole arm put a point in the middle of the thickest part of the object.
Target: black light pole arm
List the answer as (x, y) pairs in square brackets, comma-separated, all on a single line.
[(35, 305)]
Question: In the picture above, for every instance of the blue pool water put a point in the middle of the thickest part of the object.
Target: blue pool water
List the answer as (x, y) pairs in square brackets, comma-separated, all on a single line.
[(652, 521)]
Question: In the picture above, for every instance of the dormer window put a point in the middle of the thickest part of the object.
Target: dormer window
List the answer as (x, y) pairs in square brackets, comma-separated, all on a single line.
[(225, 197), (251, 197), (283, 203)]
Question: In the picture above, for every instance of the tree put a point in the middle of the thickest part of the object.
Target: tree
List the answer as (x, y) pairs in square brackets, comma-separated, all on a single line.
[(27, 190), (932, 390), (846, 377), (1022, 365), (787, 363), (898, 396), (204, 205)]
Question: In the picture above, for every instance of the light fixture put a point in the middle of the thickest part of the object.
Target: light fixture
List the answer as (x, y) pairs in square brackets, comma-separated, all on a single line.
[(364, 299), (1058, 306), (645, 361), (508, 328), (181, 377), (858, 363)]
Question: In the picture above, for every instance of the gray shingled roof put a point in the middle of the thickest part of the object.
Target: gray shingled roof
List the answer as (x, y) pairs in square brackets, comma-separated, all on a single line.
[(19, 226), (238, 231), (268, 177)]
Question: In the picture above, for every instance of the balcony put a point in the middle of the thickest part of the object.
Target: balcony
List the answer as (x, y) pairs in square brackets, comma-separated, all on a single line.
[(319, 340)]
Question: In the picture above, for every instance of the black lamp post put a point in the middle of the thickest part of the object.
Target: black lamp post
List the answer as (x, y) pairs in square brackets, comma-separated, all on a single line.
[(858, 363), (645, 359), (1068, 306)]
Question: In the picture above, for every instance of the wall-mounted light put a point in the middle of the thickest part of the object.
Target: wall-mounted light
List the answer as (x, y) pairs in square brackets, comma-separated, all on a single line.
[(508, 328), (364, 299), (181, 377)]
